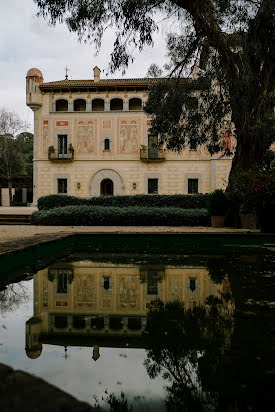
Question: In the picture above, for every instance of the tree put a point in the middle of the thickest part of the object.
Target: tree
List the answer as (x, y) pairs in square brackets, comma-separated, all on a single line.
[(25, 144), (11, 159), (12, 296), (154, 71), (231, 43), (185, 346)]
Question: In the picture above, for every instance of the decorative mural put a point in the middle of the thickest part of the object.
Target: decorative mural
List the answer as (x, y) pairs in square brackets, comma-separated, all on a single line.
[(129, 136), (107, 124), (45, 143), (62, 123), (175, 288), (45, 291), (85, 294), (128, 291), (85, 136)]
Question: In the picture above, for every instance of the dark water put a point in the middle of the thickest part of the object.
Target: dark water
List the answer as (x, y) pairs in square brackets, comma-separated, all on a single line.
[(177, 334)]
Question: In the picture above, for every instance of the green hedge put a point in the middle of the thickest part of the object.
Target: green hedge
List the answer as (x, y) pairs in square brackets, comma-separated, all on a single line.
[(177, 201), (115, 216)]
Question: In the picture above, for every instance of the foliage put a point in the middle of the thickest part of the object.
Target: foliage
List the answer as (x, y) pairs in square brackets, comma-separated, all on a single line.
[(11, 160), (182, 342), (117, 216), (12, 296), (218, 203), (12, 157), (70, 148), (256, 188), (154, 71), (175, 201), (227, 44), (25, 146), (51, 150)]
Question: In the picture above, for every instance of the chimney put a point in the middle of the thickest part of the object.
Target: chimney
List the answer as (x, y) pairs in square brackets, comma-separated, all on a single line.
[(96, 74)]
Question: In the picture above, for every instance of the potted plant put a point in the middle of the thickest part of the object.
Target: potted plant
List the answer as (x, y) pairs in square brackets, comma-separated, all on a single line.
[(217, 207), (51, 152), (143, 151), (258, 193), (70, 151), (248, 216)]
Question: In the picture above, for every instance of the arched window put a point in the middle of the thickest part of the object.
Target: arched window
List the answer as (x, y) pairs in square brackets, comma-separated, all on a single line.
[(61, 105), (98, 105), (135, 104), (106, 144), (107, 187), (116, 104), (80, 105)]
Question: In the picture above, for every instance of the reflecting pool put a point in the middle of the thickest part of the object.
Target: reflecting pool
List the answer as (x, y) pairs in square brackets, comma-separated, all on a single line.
[(195, 333)]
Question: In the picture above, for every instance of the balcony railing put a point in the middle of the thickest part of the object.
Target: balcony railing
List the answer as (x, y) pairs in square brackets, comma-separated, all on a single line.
[(59, 157), (152, 154)]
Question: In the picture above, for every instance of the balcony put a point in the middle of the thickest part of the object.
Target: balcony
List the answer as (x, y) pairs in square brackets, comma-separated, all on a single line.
[(55, 156), (152, 155)]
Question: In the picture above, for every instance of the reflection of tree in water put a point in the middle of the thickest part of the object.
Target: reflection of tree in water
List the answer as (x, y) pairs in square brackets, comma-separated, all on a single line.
[(12, 296), (185, 346)]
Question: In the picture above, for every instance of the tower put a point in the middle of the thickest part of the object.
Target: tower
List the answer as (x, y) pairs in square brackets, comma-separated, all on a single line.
[(34, 100)]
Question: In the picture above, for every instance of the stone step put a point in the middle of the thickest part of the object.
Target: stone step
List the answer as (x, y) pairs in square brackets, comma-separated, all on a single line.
[(6, 219)]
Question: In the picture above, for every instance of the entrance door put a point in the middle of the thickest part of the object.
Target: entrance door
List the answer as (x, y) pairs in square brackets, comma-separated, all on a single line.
[(107, 187)]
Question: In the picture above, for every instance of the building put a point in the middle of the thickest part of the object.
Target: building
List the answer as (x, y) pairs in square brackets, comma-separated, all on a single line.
[(21, 190), (91, 137), (96, 304)]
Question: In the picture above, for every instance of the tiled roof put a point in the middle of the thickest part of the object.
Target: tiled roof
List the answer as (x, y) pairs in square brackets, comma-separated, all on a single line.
[(71, 84)]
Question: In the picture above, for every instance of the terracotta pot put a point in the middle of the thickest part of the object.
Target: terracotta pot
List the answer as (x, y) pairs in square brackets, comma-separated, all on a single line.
[(249, 220), (217, 221), (69, 155), (52, 155)]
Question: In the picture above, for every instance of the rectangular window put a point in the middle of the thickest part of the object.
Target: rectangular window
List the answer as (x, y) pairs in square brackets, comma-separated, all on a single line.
[(61, 185), (106, 282), (153, 186), (106, 144), (193, 186), (61, 282), (193, 145), (192, 284), (62, 146), (152, 282)]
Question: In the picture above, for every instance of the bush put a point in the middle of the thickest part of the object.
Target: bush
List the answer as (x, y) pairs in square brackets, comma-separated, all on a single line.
[(115, 216), (176, 201), (218, 203)]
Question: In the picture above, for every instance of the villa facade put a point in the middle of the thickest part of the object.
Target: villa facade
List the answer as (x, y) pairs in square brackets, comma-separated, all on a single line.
[(92, 137), (94, 304)]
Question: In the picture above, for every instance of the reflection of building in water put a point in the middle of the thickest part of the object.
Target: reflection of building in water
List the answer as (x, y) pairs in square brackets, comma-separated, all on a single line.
[(91, 304)]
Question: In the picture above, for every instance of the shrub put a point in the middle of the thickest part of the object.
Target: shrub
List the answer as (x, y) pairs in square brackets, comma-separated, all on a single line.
[(218, 203), (177, 201), (115, 216)]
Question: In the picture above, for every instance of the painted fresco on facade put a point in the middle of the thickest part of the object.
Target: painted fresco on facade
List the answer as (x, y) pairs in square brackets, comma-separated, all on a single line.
[(85, 291), (128, 291), (85, 136), (45, 142), (129, 136)]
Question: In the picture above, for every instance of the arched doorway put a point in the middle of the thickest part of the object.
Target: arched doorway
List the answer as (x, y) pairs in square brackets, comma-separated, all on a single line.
[(107, 187), (106, 174)]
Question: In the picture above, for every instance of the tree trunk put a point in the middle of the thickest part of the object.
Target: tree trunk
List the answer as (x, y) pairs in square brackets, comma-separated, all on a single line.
[(248, 153)]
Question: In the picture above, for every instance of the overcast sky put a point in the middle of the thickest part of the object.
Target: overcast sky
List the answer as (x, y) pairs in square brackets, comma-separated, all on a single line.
[(27, 41)]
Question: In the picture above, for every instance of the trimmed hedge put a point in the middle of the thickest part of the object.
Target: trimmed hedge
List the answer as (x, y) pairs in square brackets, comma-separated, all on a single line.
[(115, 216), (176, 201)]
